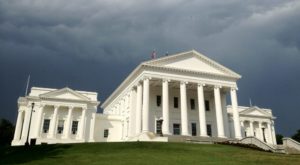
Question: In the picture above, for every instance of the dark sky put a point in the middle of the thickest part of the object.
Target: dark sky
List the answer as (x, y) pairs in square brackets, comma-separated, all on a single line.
[(93, 45)]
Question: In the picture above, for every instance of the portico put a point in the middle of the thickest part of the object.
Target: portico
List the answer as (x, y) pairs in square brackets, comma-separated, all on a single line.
[(54, 119), (184, 94), (183, 88)]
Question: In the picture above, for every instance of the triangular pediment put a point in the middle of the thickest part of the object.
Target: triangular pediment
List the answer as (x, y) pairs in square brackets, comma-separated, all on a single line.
[(66, 94), (192, 61), (255, 111)]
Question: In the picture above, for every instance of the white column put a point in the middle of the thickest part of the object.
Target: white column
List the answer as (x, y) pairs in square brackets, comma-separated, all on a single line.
[(92, 128), (25, 123), (251, 128), (53, 121), (260, 131), (67, 129), (273, 133), (146, 105), (270, 137), (236, 116), (219, 115), (138, 113), (82, 127), (165, 108), (18, 126), (242, 129), (184, 113), (39, 119), (225, 114), (201, 107)]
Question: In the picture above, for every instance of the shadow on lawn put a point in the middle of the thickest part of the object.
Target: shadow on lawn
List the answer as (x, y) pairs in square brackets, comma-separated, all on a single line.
[(18, 155)]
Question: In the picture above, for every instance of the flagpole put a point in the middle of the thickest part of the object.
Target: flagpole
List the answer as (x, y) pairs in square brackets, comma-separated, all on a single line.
[(28, 80)]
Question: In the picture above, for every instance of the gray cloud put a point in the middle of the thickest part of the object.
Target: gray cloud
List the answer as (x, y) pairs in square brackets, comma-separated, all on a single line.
[(259, 39)]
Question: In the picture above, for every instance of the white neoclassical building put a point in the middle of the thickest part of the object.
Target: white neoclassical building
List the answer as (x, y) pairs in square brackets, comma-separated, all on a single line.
[(177, 96)]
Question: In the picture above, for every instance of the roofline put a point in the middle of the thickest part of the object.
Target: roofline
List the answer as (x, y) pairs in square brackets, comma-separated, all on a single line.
[(121, 85), (144, 64), (53, 89)]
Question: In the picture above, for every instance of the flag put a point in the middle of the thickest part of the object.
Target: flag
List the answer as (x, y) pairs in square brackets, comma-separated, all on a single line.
[(153, 55)]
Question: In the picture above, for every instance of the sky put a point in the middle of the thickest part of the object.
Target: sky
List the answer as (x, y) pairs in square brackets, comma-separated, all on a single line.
[(93, 45)]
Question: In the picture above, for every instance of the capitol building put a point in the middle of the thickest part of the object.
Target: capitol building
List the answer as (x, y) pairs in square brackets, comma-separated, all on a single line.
[(185, 96)]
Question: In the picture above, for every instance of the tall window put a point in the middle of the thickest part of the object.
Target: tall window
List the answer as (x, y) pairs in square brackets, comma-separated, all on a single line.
[(175, 102), (206, 105), (158, 127), (60, 126), (208, 128), (106, 132), (194, 129), (176, 129), (192, 102), (158, 100), (74, 127), (46, 125)]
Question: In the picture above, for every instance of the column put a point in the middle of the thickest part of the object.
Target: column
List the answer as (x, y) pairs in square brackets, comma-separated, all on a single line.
[(138, 113), (225, 114), (251, 128), (26, 123), (165, 108), (67, 130), (219, 115), (146, 105), (236, 117), (242, 129), (92, 128), (184, 113), (82, 127), (260, 131), (273, 133), (18, 126), (270, 137), (40, 119), (201, 107), (53, 121)]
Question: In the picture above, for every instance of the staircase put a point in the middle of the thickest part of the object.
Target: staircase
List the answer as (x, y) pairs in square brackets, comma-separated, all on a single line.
[(260, 144), (195, 139)]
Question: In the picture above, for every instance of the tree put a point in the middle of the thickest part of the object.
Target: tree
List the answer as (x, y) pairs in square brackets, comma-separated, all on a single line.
[(296, 136), (6, 132), (279, 138)]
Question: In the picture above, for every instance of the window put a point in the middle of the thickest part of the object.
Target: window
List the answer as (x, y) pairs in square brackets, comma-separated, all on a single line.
[(158, 100), (60, 126), (192, 101), (176, 129), (208, 129), (158, 127), (194, 129), (74, 127), (206, 105), (46, 125), (175, 102), (105, 134)]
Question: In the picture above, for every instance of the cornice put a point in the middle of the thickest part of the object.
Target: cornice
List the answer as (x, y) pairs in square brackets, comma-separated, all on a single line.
[(198, 73)]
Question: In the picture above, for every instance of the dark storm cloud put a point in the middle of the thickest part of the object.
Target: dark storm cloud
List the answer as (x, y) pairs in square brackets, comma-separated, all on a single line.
[(75, 43)]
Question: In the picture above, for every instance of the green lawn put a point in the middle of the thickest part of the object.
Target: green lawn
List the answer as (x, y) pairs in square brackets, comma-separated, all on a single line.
[(141, 153)]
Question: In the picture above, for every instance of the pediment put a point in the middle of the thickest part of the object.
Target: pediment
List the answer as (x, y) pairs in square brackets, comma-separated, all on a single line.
[(255, 111), (66, 94), (193, 61)]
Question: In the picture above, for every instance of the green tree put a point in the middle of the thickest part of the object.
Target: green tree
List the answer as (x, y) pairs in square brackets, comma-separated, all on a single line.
[(6, 132), (296, 136), (279, 138)]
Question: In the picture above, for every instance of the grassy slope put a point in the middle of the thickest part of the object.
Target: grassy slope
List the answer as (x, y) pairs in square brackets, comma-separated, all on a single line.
[(141, 153)]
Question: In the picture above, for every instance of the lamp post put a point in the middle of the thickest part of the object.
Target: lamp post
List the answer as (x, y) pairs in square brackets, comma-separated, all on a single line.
[(27, 140)]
